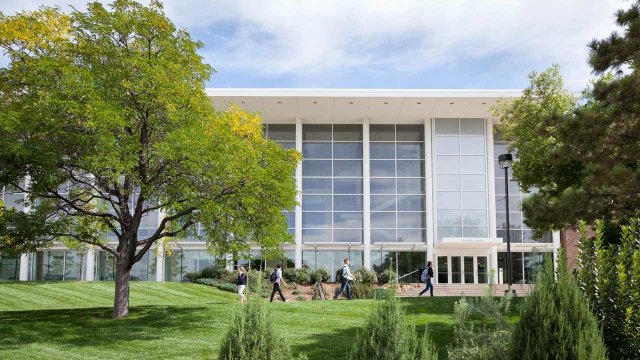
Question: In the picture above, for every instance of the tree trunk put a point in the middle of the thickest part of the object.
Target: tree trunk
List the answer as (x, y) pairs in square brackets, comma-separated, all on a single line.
[(121, 300)]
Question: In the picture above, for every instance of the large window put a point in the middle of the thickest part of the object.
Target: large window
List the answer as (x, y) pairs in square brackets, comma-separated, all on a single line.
[(397, 183), (179, 263), (331, 260), (520, 232), (526, 266), (285, 135), (407, 265), (9, 267), (461, 179), (332, 183), (60, 265)]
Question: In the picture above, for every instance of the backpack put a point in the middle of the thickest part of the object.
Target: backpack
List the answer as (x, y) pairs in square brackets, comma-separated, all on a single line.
[(273, 277), (339, 275), (425, 275)]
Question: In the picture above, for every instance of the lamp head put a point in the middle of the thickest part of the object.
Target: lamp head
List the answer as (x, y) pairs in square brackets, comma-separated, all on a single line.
[(505, 161)]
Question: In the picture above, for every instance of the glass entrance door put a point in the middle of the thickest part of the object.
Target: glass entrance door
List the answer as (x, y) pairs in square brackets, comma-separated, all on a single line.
[(462, 269)]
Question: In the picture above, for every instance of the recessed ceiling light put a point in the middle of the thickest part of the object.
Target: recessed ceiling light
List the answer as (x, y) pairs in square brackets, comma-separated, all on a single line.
[(351, 102)]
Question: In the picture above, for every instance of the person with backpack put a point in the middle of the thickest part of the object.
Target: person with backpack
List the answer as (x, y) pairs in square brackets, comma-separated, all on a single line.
[(276, 279), (241, 283), (344, 275), (426, 277)]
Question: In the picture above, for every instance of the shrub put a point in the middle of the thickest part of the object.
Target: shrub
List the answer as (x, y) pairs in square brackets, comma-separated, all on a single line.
[(609, 276), (556, 322), (388, 276), (252, 336), (387, 336), (364, 276), (362, 291), (206, 281), (225, 286), (493, 339), (296, 276), (300, 298), (193, 276), (320, 275)]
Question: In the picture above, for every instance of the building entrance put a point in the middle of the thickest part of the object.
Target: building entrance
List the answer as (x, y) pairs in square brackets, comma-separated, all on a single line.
[(462, 269)]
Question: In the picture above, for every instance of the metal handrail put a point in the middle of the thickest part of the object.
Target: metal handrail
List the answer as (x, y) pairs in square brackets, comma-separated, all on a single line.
[(405, 275)]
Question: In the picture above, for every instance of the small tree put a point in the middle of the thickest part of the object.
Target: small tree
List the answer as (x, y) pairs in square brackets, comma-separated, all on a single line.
[(252, 336), (556, 322), (387, 336)]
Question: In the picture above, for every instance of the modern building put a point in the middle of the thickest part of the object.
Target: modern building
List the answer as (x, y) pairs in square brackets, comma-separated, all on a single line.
[(390, 179)]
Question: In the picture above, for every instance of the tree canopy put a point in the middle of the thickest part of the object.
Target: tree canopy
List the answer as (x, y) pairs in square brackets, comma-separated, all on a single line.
[(105, 121), (581, 159)]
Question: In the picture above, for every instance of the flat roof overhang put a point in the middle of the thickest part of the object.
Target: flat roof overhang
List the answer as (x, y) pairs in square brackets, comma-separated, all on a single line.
[(467, 243), (351, 106)]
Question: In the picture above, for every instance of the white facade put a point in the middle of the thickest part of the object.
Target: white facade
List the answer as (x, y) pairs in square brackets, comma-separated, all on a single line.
[(391, 178)]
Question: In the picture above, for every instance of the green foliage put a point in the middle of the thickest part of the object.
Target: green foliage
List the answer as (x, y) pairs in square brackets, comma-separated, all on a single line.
[(614, 299), (296, 276), (252, 336), (300, 298), (364, 276), (213, 272), (388, 276), (493, 339), (222, 285), (582, 158), (105, 112), (556, 322), (387, 336), (362, 291), (320, 275)]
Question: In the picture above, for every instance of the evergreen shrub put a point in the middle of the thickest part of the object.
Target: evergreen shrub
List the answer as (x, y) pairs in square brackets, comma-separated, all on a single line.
[(364, 276), (362, 291), (388, 276), (387, 336), (251, 336), (556, 322), (296, 276)]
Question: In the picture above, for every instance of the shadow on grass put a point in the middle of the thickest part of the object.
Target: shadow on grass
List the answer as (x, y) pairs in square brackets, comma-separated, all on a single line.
[(93, 326), (430, 305), (328, 345)]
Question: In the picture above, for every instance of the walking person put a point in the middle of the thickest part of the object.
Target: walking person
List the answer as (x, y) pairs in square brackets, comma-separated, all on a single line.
[(276, 279), (241, 283), (345, 276), (426, 277)]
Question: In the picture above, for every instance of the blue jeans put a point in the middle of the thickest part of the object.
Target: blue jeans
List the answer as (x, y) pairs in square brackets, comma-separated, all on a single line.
[(429, 287), (345, 286)]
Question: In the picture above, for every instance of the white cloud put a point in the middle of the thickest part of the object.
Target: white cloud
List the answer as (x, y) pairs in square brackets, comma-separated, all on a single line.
[(299, 38)]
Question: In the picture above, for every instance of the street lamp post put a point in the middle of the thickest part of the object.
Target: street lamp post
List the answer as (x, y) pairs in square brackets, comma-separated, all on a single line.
[(505, 161)]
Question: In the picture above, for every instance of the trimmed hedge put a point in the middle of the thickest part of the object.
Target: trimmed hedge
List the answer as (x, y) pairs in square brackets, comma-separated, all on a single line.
[(320, 275)]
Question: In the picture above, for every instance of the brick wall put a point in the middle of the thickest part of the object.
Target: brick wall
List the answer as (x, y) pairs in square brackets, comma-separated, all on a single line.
[(569, 241)]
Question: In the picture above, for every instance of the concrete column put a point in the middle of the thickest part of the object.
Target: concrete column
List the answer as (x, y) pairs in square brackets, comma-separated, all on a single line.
[(491, 180), (298, 209), (556, 246), (160, 262), (429, 189), (366, 198), (493, 265), (89, 273), (24, 267)]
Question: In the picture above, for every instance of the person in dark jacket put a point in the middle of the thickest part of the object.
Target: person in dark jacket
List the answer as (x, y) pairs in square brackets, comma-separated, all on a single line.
[(426, 276), (242, 283)]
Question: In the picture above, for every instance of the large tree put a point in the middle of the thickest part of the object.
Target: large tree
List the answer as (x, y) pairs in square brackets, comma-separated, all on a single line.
[(582, 159), (104, 120)]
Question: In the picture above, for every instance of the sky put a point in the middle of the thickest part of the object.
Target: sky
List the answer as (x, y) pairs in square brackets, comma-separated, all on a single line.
[(421, 44)]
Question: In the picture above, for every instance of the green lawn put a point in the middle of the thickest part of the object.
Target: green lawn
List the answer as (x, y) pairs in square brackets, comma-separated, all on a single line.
[(71, 320)]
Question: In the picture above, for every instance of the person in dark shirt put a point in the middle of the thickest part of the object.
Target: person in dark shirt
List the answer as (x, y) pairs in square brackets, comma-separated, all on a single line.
[(426, 276), (242, 283)]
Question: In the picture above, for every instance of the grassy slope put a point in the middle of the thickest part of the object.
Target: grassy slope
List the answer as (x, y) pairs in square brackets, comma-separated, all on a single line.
[(180, 321)]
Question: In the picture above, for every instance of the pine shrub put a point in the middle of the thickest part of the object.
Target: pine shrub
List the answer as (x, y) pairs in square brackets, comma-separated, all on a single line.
[(362, 291), (386, 336), (492, 340), (556, 322), (252, 336), (388, 276)]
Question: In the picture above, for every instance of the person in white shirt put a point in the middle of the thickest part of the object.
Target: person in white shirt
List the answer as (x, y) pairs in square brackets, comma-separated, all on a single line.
[(276, 283), (345, 277)]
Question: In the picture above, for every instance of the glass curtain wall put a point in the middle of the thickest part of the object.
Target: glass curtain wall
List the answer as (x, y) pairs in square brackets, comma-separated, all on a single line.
[(285, 135), (60, 265), (520, 232), (402, 263), (397, 183), (332, 183), (9, 267), (331, 260), (179, 263), (461, 181), (526, 266)]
